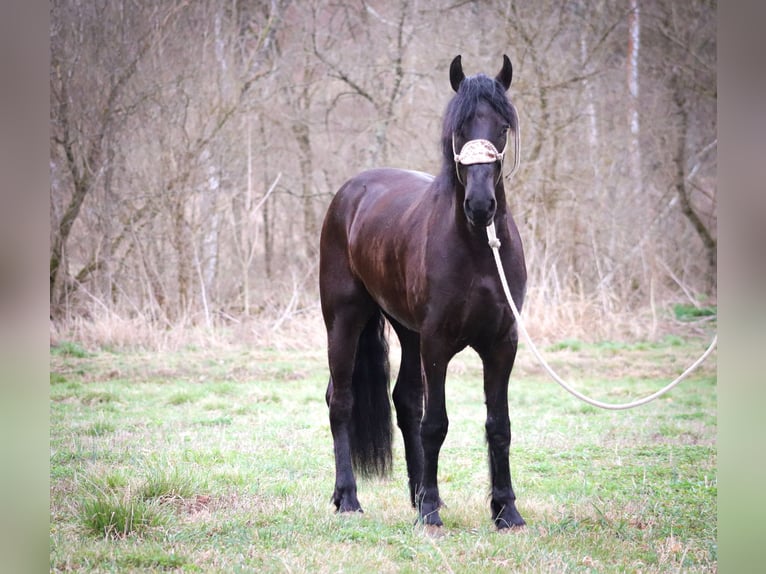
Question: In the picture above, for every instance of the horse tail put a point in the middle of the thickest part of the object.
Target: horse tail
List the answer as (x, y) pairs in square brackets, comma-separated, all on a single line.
[(371, 428)]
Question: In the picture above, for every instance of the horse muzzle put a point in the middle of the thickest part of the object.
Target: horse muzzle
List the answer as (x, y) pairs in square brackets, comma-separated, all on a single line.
[(480, 211)]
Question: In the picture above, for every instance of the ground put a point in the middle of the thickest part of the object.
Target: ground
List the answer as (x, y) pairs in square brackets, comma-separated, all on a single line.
[(220, 459)]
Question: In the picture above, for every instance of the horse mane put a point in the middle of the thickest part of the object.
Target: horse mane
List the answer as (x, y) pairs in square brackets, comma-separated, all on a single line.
[(462, 108)]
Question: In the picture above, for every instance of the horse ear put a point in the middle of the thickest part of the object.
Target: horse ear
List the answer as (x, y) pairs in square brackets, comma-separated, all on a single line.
[(506, 73), (456, 75)]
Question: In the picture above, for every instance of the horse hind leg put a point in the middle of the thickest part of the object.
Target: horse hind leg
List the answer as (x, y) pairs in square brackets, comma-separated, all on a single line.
[(357, 396), (408, 402), (342, 343)]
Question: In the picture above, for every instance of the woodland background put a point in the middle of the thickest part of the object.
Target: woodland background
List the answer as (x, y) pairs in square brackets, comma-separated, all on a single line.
[(195, 145)]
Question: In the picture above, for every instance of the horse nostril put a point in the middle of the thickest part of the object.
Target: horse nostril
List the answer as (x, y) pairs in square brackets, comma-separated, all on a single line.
[(480, 210)]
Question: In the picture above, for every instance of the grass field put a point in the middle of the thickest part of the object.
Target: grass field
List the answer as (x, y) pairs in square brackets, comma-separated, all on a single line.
[(221, 461)]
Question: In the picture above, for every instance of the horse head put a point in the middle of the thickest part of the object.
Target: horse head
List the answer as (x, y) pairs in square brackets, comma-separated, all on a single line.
[(479, 119)]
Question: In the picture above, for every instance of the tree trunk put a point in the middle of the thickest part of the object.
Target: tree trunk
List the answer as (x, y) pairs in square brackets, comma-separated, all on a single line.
[(305, 159), (634, 48), (680, 161)]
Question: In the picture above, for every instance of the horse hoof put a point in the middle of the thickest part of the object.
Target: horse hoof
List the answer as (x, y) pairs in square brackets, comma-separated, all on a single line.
[(512, 523), (345, 503), (507, 518)]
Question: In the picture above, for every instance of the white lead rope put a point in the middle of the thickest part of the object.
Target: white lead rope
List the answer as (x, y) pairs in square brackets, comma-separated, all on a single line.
[(494, 243)]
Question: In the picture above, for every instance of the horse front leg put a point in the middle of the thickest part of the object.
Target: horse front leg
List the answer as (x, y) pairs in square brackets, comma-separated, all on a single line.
[(433, 431), (498, 363)]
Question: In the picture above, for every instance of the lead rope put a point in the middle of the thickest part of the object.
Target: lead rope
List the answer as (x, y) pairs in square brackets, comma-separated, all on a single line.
[(494, 243)]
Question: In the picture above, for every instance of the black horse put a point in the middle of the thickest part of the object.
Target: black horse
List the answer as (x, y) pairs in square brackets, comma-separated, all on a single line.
[(411, 248)]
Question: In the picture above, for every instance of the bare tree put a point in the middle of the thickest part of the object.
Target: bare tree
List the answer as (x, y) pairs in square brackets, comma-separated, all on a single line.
[(374, 77), (96, 50), (686, 35)]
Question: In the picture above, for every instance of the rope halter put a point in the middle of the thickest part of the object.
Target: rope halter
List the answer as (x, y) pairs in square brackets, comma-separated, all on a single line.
[(484, 151)]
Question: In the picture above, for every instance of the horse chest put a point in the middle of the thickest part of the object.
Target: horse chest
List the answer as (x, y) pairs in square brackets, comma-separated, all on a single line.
[(466, 310)]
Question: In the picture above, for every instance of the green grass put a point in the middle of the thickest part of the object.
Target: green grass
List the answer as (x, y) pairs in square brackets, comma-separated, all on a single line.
[(69, 349), (684, 312), (166, 482), (110, 514), (201, 462)]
